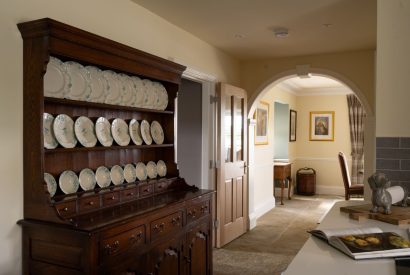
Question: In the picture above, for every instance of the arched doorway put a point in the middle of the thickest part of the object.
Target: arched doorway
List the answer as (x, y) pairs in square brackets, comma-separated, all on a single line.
[(255, 208)]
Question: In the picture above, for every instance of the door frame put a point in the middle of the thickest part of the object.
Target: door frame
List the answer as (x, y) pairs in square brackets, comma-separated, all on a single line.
[(208, 149)]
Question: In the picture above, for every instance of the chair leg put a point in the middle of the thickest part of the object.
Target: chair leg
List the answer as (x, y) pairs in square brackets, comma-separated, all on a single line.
[(346, 195)]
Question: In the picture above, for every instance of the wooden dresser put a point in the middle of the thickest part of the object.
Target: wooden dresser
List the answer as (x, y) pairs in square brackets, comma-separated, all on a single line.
[(157, 226)]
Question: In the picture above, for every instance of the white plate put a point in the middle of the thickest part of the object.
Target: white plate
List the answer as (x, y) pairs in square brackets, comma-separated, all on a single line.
[(84, 131), (51, 184), (68, 182), (114, 87), (103, 131), (63, 127), (56, 79), (130, 174), (79, 81), (117, 175), (156, 132), (103, 176), (50, 141), (159, 97), (119, 130), (98, 85), (135, 132), (87, 179), (152, 170), (149, 94), (163, 94), (127, 90), (139, 90), (141, 171), (145, 132), (161, 168)]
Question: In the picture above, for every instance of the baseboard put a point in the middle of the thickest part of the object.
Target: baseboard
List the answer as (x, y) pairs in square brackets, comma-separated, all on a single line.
[(260, 210), (330, 190)]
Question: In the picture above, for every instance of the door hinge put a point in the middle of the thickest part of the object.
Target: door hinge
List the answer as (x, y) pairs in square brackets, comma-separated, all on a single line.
[(214, 164), (213, 99), (216, 224)]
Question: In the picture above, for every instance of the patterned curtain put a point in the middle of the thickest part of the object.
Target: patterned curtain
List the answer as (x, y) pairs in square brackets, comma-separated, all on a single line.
[(356, 121)]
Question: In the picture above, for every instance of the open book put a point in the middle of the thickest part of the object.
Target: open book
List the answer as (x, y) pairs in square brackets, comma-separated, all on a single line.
[(365, 243)]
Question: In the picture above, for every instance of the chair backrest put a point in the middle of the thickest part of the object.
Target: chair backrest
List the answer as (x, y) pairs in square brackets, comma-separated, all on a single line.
[(345, 170)]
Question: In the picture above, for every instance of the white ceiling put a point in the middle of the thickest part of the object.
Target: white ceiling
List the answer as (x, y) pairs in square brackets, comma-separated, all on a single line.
[(220, 22), (314, 85)]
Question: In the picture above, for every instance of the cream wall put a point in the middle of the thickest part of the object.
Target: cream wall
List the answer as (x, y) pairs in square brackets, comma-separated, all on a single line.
[(261, 167), (322, 155), (120, 20), (393, 60)]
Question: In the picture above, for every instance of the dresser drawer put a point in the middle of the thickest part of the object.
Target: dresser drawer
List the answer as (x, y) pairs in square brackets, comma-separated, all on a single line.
[(89, 203), (161, 186), (111, 198), (124, 241), (165, 225), (129, 194), (197, 211), (66, 209), (146, 190)]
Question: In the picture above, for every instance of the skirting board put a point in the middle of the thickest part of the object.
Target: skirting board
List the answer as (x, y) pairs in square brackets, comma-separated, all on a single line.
[(260, 210), (330, 190)]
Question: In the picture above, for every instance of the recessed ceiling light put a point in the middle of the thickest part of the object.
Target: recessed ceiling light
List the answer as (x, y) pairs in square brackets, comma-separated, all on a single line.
[(281, 32), (239, 35), (327, 25)]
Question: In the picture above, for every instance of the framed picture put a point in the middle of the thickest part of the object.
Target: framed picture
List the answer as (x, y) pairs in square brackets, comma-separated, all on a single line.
[(262, 123), (322, 126), (292, 125)]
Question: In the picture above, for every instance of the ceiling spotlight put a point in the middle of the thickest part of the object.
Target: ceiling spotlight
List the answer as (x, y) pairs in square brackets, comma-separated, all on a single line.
[(239, 35), (327, 25), (281, 32)]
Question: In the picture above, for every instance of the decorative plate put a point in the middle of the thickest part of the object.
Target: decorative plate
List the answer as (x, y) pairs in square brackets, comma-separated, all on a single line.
[(149, 94), (135, 132), (50, 141), (79, 81), (63, 127), (127, 90), (113, 88), (87, 179), (56, 79), (117, 175), (141, 171), (164, 97), (139, 90), (84, 131), (145, 132), (98, 85), (119, 130), (103, 131), (158, 99), (103, 176), (156, 132), (152, 170), (51, 184), (130, 174), (68, 182), (161, 168)]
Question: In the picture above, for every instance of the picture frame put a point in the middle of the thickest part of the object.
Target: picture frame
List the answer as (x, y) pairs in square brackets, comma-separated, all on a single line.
[(292, 125), (321, 126), (262, 123)]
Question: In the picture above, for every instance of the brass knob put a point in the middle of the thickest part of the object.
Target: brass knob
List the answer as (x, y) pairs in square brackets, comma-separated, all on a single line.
[(113, 198), (91, 203), (65, 209)]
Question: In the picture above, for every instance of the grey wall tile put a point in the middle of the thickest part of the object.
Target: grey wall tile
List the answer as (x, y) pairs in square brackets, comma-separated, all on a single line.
[(396, 175), (404, 164), (390, 164), (387, 142), (387, 153), (404, 142)]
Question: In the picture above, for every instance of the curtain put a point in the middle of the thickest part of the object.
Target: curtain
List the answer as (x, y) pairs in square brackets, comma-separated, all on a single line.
[(356, 121)]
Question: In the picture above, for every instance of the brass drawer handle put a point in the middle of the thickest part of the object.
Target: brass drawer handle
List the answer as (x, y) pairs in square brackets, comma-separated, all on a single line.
[(91, 203), (130, 194), (112, 249), (136, 238), (192, 213), (171, 252), (175, 220)]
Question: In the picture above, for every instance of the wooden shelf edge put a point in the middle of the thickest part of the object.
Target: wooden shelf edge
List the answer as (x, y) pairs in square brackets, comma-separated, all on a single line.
[(70, 102), (102, 148)]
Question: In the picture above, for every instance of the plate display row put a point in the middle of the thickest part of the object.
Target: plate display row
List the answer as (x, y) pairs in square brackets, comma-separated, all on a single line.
[(69, 182), (64, 131), (74, 81)]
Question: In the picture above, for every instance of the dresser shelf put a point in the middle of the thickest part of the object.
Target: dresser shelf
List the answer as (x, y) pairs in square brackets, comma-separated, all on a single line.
[(102, 148)]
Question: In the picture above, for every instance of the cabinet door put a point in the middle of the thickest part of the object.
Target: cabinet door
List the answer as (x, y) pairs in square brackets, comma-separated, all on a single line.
[(166, 258), (199, 250)]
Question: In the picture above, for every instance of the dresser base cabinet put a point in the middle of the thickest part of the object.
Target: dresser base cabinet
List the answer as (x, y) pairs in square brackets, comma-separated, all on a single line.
[(154, 243)]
